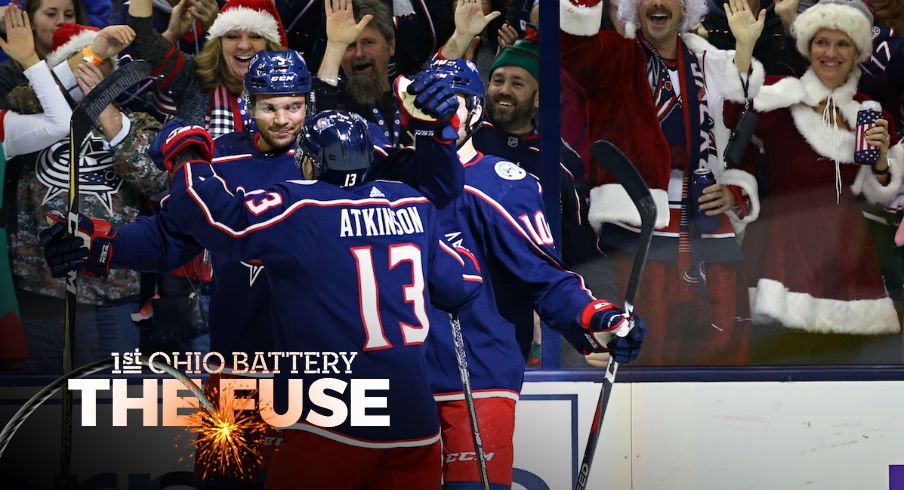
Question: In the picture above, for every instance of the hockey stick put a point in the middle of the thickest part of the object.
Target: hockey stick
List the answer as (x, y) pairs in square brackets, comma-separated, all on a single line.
[(83, 117), (462, 359), (624, 171)]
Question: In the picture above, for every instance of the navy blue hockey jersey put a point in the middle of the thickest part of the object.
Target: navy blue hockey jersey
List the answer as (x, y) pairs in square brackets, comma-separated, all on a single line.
[(239, 318), (579, 241), (349, 270), (499, 217)]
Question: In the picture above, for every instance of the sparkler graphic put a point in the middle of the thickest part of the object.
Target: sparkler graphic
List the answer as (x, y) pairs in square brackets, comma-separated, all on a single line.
[(228, 439)]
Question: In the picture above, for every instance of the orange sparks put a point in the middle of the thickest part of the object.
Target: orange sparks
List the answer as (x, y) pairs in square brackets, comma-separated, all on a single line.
[(227, 443)]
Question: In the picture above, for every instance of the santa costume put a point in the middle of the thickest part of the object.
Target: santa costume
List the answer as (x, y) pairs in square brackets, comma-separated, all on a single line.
[(810, 254), (666, 116)]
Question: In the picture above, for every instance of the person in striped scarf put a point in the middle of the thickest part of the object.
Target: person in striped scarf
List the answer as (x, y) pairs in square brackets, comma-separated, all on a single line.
[(668, 135)]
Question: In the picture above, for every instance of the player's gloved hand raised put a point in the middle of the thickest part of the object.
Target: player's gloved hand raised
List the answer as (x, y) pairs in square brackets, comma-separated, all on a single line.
[(175, 137), (90, 250), (608, 325), (428, 106)]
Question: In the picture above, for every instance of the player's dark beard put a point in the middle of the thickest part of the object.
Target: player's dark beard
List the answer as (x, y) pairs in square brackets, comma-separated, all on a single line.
[(274, 146), (518, 115), (366, 89)]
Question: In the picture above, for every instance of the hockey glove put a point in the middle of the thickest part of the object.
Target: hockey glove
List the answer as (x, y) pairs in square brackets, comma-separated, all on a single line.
[(89, 251), (606, 324), (427, 106), (175, 137)]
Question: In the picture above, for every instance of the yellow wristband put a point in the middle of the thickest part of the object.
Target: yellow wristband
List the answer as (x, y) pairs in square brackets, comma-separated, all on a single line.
[(89, 57)]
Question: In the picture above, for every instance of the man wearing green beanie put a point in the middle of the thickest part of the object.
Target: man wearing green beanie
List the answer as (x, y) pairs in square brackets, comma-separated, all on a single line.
[(513, 93), (511, 132)]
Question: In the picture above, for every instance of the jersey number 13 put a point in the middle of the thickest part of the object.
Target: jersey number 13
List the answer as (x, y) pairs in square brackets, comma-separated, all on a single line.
[(369, 295)]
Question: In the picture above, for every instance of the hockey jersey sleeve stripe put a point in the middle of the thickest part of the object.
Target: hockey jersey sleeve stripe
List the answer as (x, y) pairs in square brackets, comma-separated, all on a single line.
[(508, 218), (231, 158), (451, 252), (467, 253), (536, 248)]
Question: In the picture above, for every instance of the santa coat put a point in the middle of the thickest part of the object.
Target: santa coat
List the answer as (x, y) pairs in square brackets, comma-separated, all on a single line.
[(688, 325), (810, 252), (612, 71)]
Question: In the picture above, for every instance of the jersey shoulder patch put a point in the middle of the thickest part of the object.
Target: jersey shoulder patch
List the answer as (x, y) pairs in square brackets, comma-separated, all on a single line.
[(509, 171)]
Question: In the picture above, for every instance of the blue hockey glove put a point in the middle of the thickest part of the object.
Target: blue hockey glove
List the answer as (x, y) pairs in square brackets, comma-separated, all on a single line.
[(175, 137), (627, 348), (427, 106), (89, 251), (606, 324)]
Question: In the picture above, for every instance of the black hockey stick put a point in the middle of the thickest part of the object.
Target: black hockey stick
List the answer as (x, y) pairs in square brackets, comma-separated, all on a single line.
[(624, 171), (462, 359), (83, 118)]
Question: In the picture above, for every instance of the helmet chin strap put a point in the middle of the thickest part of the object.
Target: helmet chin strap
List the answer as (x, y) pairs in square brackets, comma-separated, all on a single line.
[(468, 132), (467, 123)]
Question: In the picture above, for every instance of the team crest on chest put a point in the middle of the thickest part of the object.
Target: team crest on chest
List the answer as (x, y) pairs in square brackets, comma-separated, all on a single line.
[(509, 171)]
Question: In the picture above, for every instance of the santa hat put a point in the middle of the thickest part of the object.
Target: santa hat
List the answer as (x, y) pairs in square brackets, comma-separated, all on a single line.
[(693, 11), (524, 53), (258, 16), (849, 16), (69, 39)]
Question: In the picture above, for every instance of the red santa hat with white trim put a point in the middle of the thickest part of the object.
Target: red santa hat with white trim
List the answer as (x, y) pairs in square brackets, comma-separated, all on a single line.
[(69, 39), (258, 16)]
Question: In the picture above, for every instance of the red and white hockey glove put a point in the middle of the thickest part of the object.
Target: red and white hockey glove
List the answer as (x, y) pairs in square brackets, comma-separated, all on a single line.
[(607, 324), (89, 251), (427, 106), (176, 137)]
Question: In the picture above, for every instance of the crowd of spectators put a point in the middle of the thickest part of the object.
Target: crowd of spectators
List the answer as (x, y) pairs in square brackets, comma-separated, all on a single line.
[(772, 260)]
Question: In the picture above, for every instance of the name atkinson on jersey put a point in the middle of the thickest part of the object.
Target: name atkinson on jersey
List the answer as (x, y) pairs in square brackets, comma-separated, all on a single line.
[(356, 222)]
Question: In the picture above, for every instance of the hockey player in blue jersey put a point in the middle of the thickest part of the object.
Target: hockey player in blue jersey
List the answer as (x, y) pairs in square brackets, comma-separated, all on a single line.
[(277, 84), (351, 269), (499, 217)]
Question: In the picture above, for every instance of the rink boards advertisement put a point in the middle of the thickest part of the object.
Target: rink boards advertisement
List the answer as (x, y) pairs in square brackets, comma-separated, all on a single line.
[(700, 435)]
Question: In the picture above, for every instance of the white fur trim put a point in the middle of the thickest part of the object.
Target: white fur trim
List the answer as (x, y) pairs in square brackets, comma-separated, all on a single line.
[(772, 301), (729, 85), (747, 182), (801, 96), (809, 90), (838, 17), (696, 43), (631, 30), (836, 144), (578, 20), (730, 79), (74, 45), (245, 19), (872, 190), (610, 203), (784, 93)]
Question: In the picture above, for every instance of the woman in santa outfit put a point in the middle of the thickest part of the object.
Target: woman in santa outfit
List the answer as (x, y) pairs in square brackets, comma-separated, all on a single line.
[(810, 254), (207, 89)]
